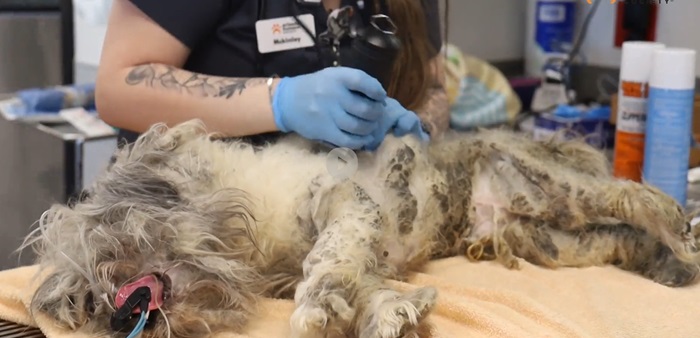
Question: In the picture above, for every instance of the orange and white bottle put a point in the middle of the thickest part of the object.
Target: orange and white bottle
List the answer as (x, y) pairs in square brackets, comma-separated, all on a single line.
[(635, 71)]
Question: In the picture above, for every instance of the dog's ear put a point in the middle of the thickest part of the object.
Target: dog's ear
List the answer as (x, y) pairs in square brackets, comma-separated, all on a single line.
[(66, 298)]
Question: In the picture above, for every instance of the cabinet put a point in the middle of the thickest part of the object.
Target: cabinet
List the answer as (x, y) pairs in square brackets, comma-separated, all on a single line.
[(41, 164)]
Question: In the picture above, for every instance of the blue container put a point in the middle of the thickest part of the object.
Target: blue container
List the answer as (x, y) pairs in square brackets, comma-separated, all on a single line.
[(555, 25), (592, 125), (669, 121), (667, 141)]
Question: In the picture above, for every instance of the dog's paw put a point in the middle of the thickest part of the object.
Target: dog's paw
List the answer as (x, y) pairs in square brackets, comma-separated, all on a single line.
[(668, 270), (328, 318), (393, 315)]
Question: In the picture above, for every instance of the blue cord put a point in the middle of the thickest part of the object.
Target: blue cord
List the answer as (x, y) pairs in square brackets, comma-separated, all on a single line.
[(139, 326)]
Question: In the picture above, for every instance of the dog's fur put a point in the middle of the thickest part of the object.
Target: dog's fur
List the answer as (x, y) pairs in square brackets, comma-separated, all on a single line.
[(225, 222)]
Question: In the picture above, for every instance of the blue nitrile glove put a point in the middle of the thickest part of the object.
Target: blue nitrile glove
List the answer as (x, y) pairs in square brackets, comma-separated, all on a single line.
[(398, 119), (336, 105)]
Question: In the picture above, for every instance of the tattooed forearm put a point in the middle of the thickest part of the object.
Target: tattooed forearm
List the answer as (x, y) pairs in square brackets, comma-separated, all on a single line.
[(435, 113), (171, 78)]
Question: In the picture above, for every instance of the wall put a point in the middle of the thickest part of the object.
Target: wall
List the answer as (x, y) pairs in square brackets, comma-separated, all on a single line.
[(89, 38), (88, 41), (90, 22), (491, 30), (677, 26)]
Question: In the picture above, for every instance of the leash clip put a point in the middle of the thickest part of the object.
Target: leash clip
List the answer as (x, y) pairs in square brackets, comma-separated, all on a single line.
[(139, 298)]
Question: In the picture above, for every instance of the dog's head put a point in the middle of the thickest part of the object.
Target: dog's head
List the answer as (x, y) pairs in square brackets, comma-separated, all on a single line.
[(135, 232)]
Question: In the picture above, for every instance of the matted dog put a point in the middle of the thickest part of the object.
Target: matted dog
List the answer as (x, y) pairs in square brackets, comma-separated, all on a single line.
[(209, 225)]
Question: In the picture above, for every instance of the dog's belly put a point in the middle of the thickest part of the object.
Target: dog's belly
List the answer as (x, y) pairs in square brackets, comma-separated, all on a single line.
[(276, 183), (401, 248), (282, 190)]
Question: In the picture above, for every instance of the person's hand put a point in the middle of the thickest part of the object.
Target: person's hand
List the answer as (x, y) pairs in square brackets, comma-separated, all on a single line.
[(398, 119), (337, 105)]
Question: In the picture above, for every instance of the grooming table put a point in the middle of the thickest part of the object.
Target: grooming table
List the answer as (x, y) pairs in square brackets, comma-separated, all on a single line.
[(480, 300)]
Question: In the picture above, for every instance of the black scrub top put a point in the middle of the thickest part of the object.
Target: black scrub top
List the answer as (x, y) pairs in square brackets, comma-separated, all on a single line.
[(222, 39)]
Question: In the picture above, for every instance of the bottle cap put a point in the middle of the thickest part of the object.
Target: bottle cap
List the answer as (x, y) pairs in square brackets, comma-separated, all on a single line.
[(637, 58), (673, 68)]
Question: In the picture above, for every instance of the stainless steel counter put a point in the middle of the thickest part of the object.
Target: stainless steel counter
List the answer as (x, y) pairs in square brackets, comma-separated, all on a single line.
[(40, 165)]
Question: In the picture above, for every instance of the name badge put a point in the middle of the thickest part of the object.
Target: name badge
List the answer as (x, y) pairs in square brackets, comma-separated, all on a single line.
[(281, 34)]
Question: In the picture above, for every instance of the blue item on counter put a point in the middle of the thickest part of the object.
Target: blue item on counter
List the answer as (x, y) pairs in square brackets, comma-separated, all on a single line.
[(593, 124), (55, 99), (555, 24)]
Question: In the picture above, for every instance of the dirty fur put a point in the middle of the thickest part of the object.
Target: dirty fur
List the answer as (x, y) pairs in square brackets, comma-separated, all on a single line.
[(223, 223)]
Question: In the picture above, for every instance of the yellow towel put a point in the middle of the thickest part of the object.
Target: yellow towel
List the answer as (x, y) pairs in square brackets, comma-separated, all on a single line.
[(484, 300)]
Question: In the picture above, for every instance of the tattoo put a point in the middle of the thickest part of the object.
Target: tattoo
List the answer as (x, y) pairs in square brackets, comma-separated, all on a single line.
[(435, 113), (182, 81)]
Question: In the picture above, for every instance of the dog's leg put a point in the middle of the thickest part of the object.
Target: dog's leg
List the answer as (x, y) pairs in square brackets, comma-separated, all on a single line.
[(546, 215), (510, 186), (578, 156), (382, 311), (614, 202), (570, 201), (621, 245), (340, 279), (342, 254), (387, 313)]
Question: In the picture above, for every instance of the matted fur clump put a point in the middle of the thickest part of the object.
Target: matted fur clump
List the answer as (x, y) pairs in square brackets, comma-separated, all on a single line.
[(221, 223)]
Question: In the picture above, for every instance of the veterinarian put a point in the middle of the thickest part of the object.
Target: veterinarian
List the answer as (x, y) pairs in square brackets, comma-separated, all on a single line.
[(221, 61)]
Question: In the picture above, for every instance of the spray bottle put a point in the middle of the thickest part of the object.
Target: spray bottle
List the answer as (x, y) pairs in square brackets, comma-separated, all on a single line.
[(669, 120), (635, 69)]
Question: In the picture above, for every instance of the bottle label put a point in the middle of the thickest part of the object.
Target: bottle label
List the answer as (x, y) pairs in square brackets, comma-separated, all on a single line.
[(667, 141), (632, 114), (630, 129)]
